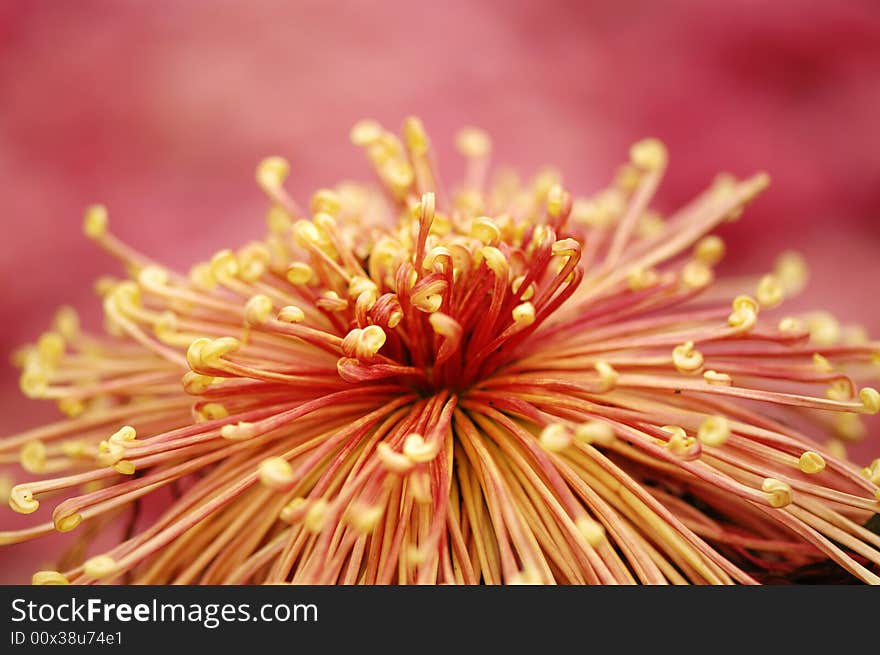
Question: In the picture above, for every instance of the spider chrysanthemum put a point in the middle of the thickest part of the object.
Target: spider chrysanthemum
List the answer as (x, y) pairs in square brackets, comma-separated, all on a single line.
[(498, 384)]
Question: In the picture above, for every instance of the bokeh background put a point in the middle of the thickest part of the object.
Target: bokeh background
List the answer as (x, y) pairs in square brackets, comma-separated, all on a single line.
[(161, 110)]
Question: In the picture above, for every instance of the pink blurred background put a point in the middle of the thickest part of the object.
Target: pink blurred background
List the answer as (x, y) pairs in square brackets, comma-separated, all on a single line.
[(161, 110)]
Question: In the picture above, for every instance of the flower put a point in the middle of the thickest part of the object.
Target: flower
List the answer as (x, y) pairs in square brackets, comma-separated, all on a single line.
[(501, 384)]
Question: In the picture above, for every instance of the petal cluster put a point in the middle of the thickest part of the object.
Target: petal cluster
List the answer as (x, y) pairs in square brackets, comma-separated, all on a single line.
[(497, 382)]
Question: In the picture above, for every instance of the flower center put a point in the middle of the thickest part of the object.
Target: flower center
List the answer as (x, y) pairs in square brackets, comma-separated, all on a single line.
[(444, 307)]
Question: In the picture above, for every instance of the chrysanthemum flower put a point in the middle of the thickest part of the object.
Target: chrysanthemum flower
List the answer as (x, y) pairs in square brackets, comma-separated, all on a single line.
[(497, 384)]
